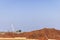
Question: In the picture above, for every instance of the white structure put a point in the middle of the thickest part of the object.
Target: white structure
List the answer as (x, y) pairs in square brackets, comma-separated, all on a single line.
[(12, 27)]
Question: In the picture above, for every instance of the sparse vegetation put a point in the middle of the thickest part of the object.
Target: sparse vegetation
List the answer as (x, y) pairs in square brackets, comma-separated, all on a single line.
[(18, 31)]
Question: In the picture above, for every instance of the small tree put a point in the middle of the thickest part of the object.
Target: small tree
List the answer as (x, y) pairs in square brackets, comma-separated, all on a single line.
[(18, 31)]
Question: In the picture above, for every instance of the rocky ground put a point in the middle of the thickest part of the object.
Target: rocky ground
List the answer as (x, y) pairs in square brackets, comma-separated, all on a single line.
[(42, 34)]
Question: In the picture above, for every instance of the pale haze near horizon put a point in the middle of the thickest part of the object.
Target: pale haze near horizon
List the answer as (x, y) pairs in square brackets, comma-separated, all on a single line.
[(29, 15)]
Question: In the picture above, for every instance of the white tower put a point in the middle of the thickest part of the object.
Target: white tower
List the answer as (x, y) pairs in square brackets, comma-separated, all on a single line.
[(12, 27)]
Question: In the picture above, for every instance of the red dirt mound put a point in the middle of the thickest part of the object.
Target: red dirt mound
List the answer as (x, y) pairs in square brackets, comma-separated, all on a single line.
[(45, 33)]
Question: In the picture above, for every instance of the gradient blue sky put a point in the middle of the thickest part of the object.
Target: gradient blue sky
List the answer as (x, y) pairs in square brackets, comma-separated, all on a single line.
[(29, 15)]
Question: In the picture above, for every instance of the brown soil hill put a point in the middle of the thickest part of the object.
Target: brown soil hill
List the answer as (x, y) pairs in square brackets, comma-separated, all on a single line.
[(45, 33), (50, 33)]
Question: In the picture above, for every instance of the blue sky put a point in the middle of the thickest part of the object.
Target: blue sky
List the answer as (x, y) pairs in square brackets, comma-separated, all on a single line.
[(29, 15)]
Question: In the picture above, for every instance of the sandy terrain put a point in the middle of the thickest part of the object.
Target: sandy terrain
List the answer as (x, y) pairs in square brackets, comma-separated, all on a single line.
[(16, 39)]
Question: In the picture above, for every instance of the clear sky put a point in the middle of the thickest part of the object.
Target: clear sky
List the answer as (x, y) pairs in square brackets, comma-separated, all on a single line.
[(29, 15)]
